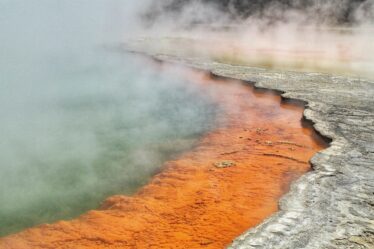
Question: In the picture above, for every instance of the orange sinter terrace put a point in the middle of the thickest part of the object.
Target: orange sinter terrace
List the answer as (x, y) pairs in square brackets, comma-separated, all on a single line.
[(229, 182)]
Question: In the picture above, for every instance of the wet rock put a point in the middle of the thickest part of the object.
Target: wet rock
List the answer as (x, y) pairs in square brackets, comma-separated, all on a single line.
[(269, 143), (224, 164)]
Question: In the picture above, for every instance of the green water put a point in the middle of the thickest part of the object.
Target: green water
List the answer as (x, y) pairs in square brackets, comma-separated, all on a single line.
[(78, 122)]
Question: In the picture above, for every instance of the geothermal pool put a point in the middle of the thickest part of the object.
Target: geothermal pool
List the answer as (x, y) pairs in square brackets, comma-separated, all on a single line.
[(85, 132), (230, 180), (80, 123), (161, 155)]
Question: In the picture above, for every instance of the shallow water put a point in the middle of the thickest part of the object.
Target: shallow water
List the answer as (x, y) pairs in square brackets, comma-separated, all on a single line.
[(78, 122)]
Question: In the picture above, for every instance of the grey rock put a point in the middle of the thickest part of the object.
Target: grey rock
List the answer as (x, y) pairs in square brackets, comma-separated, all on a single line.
[(332, 206), (224, 164)]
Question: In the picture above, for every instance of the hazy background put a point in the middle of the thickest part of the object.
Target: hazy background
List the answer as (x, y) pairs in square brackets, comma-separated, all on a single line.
[(330, 36), (333, 12), (80, 122)]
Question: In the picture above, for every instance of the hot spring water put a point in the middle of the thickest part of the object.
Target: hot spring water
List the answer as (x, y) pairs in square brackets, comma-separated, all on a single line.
[(80, 123)]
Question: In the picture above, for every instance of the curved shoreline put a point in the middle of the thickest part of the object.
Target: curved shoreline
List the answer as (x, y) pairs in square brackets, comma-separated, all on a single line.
[(320, 210), (331, 206), (215, 198)]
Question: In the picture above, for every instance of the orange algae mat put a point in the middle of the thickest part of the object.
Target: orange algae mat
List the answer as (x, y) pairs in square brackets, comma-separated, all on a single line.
[(231, 181)]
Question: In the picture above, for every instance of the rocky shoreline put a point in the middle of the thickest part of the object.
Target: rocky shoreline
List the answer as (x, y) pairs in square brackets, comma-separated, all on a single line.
[(232, 178), (332, 206)]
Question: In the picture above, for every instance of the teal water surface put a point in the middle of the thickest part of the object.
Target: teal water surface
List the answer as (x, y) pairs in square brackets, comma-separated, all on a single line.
[(78, 122)]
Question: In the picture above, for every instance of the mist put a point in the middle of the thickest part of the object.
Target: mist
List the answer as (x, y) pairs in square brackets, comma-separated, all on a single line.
[(313, 36), (79, 121)]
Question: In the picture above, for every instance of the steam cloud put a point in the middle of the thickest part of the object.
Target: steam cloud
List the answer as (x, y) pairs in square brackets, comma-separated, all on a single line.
[(313, 35), (331, 11), (79, 122), (72, 115)]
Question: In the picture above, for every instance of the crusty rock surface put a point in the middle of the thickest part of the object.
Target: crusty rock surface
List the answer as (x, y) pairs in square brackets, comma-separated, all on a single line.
[(332, 206)]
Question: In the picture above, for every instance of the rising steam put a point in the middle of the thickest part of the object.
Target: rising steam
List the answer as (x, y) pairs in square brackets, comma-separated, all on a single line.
[(329, 36), (79, 123)]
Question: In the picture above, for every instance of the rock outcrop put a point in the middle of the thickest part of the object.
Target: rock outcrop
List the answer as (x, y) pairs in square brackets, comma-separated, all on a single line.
[(332, 206)]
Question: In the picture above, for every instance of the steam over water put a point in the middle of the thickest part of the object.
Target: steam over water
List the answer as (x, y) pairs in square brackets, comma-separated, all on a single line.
[(78, 122)]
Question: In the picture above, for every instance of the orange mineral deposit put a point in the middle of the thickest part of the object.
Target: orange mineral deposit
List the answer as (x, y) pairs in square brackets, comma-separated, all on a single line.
[(231, 181)]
